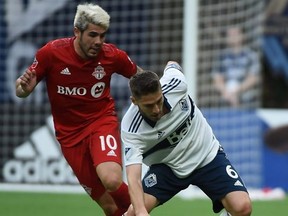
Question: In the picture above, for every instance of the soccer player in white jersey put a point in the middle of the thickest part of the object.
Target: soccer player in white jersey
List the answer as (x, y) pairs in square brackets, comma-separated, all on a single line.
[(164, 129)]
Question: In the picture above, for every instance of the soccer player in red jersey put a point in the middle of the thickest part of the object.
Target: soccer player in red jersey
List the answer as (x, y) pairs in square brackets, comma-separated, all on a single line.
[(77, 73)]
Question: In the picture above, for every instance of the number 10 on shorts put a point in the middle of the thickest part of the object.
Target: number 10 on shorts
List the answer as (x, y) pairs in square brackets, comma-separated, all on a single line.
[(108, 141)]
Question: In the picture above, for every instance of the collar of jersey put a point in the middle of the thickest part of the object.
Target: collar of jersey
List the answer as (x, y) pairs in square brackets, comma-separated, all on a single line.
[(152, 123)]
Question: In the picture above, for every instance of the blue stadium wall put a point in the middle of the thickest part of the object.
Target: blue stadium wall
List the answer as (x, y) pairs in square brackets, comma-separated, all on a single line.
[(241, 133)]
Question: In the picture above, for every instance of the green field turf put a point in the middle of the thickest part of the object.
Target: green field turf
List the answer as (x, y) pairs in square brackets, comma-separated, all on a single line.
[(44, 204)]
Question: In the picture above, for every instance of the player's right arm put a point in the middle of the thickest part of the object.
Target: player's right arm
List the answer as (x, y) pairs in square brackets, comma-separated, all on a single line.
[(26, 83), (135, 189)]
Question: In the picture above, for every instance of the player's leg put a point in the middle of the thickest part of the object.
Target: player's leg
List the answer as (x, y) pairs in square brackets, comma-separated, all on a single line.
[(78, 157), (111, 175), (106, 152), (150, 202), (220, 181), (237, 203), (108, 205)]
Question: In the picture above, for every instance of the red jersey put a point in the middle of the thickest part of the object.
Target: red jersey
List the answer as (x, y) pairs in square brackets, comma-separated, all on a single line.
[(79, 90)]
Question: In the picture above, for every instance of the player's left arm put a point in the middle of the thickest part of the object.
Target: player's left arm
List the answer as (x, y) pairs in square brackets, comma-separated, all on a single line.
[(125, 65), (173, 64)]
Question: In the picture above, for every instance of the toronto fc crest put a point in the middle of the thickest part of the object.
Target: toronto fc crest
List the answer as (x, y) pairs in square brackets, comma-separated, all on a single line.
[(99, 72)]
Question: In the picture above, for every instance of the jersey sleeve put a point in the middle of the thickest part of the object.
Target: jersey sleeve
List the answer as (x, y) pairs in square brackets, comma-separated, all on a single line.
[(132, 142), (125, 66), (173, 84), (171, 72), (133, 153), (40, 63)]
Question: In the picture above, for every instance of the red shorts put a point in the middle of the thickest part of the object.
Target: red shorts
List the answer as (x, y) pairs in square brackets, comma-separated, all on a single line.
[(102, 145)]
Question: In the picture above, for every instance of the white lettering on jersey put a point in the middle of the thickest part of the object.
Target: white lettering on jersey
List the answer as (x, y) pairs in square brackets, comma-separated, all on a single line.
[(178, 135), (71, 91), (96, 90)]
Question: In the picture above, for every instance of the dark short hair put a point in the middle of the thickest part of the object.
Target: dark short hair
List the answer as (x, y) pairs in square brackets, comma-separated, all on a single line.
[(144, 83)]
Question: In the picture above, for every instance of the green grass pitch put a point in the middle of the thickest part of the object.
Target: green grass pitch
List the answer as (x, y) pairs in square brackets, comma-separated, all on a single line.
[(51, 204)]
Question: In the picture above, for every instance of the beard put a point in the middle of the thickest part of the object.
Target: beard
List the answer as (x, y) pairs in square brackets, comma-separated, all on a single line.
[(89, 53)]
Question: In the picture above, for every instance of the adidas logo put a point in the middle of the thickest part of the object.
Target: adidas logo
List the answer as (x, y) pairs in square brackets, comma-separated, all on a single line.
[(65, 71), (160, 134), (39, 160), (238, 183), (111, 153)]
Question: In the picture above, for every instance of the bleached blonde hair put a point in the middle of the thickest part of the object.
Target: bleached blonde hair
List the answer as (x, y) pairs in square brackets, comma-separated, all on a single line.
[(91, 13)]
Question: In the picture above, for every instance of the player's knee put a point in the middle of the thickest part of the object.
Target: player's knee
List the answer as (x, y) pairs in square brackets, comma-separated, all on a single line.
[(246, 208), (243, 209), (112, 183)]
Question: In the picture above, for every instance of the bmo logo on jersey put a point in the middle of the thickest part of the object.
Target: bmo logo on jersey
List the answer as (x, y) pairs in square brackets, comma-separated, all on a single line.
[(96, 90)]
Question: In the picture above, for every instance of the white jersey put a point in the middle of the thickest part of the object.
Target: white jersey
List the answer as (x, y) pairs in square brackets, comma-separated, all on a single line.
[(181, 139)]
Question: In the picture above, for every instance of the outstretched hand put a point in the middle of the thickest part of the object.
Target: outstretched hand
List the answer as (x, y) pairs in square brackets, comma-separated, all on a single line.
[(26, 83), (28, 80)]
